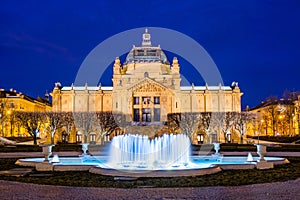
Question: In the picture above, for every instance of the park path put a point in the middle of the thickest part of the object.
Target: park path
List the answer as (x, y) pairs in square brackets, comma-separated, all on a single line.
[(288, 190)]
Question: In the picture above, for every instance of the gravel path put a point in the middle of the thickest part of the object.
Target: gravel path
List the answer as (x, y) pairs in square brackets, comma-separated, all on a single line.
[(273, 191)]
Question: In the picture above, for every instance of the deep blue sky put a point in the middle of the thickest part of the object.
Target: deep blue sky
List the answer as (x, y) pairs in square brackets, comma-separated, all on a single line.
[(254, 42)]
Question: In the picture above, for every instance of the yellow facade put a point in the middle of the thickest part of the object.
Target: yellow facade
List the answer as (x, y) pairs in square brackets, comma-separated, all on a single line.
[(146, 88), (11, 102), (276, 118)]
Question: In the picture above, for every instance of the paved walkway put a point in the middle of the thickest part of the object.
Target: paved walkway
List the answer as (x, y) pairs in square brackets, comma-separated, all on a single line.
[(288, 190)]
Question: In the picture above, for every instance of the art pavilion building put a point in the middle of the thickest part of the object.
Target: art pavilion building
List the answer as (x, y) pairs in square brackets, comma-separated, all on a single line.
[(146, 87)]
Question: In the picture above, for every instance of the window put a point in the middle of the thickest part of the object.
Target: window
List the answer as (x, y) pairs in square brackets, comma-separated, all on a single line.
[(136, 100), (146, 74), (136, 115), (156, 114), (93, 138), (78, 137), (173, 82), (164, 80), (146, 100), (146, 115), (64, 137), (156, 100)]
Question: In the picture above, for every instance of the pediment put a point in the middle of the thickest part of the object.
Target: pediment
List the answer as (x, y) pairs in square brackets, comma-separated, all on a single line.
[(148, 85)]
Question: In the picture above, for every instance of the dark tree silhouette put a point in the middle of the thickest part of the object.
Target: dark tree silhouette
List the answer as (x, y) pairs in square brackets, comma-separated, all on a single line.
[(56, 121), (240, 122), (32, 122), (86, 122)]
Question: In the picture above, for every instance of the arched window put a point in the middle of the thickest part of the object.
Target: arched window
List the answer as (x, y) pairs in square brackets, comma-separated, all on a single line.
[(146, 74), (64, 137), (79, 137), (92, 138)]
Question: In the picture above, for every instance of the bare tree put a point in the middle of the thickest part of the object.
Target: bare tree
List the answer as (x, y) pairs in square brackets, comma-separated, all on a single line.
[(288, 119), (109, 123), (187, 122), (297, 111), (56, 121), (173, 122), (205, 124), (217, 122), (32, 122), (86, 122), (3, 102), (228, 123), (271, 114), (240, 123), (68, 123)]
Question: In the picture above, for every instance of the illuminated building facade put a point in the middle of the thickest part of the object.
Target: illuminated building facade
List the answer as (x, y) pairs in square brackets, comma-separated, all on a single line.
[(12, 101), (276, 117), (146, 87)]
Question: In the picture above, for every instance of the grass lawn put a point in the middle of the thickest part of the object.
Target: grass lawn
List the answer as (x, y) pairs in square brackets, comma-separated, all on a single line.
[(225, 178)]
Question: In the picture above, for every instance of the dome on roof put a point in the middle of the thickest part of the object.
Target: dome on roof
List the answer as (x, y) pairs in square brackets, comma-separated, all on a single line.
[(146, 52)]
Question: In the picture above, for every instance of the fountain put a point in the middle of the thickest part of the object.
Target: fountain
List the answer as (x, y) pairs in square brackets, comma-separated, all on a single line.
[(55, 159), (138, 156), (137, 151), (84, 148), (250, 157)]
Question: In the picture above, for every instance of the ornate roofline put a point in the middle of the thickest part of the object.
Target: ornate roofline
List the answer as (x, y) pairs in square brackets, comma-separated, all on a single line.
[(142, 82)]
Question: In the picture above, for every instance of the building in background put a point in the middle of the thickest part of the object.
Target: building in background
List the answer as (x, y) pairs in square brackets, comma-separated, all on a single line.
[(276, 117), (146, 87), (12, 101)]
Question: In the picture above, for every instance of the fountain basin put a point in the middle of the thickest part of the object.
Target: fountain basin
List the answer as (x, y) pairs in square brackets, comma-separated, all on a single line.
[(199, 165), (138, 156)]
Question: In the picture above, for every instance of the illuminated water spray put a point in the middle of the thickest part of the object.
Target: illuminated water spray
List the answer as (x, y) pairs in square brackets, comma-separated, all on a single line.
[(139, 151)]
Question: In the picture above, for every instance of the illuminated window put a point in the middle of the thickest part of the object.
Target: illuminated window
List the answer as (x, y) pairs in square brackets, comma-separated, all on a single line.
[(93, 138), (136, 115), (156, 100), (78, 137), (146, 100), (136, 100), (146, 115), (156, 114)]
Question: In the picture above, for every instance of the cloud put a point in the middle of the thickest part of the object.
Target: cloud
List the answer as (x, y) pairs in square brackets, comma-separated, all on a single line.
[(27, 42)]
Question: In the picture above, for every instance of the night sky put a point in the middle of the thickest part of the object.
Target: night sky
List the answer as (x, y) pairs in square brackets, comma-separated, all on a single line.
[(254, 42)]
